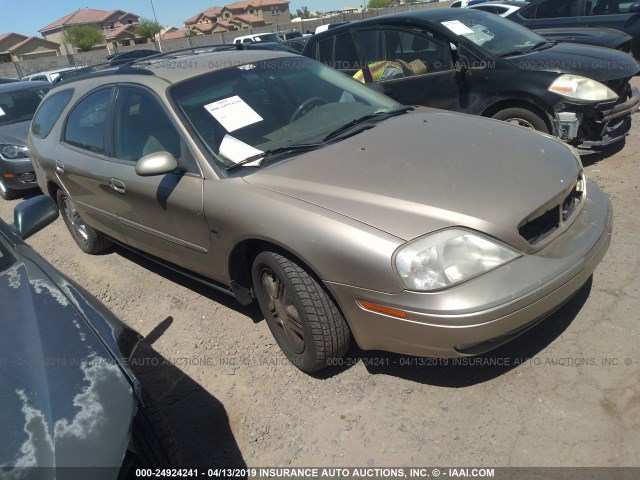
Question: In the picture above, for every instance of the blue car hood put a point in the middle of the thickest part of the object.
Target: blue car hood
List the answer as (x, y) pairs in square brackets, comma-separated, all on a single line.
[(64, 400)]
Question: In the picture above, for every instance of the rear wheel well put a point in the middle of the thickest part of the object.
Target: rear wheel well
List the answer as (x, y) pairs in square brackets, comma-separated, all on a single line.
[(514, 103)]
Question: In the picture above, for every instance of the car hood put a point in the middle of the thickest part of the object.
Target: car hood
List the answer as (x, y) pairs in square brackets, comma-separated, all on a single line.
[(15, 133), (64, 400), (602, 37), (598, 63), (419, 172)]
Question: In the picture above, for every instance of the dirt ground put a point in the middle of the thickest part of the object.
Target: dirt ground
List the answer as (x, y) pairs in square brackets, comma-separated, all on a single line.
[(566, 393)]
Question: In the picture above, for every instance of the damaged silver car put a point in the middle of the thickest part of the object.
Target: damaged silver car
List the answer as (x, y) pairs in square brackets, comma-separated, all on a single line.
[(271, 177)]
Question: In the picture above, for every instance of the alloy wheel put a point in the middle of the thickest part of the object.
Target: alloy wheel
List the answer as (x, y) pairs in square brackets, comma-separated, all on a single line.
[(283, 311)]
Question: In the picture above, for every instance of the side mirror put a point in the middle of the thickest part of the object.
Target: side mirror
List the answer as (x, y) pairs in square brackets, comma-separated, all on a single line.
[(157, 163), (33, 215), (635, 8)]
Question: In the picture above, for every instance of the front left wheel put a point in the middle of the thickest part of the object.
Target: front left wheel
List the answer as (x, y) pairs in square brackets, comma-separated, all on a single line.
[(302, 317)]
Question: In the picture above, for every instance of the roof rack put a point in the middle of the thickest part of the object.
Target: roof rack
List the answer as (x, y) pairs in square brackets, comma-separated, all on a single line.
[(100, 70), (132, 67)]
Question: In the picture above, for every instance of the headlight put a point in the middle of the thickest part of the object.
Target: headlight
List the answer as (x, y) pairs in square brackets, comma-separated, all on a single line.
[(449, 257), (11, 152), (582, 89)]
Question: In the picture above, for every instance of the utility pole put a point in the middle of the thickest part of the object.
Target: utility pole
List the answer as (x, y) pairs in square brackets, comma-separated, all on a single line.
[(156, 20)]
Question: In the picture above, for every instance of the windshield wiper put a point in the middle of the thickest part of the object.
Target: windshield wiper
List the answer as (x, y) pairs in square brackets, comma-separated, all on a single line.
[(364, 118), (302, 147), (527, 50)]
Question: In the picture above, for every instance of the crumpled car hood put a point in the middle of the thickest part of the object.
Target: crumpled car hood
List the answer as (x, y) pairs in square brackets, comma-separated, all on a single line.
[(64, 401), (419, 172), (599, 63)]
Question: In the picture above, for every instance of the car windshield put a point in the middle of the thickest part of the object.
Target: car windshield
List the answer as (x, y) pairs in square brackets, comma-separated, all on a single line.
[(273, 104), (20, 105), (497, 35)]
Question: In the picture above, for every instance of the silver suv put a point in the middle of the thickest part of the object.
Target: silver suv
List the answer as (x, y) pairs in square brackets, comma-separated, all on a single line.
[(271, 177)]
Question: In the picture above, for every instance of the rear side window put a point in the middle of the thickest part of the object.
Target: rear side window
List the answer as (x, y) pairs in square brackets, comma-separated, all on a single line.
[(346, 56), (86, 122), (553, 9), (49, 112)]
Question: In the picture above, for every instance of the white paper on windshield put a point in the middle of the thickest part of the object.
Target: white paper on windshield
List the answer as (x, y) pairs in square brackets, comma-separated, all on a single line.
[(236, 151), (457, 27), (2, 112), (233, 113)]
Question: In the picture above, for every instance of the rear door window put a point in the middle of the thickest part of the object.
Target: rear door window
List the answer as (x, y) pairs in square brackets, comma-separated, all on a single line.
[(49, 112), (85, 126)]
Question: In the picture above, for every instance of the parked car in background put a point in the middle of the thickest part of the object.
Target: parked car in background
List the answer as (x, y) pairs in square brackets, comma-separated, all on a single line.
[(465, 3), (8, 80), (49, 75), (499, 8), (68, 397), (288, 35), (615, 14), (328, 26), (297, 44), (600, 37), (124, 57), (18, 103), (475, 62), (271, 177), (258, 37)]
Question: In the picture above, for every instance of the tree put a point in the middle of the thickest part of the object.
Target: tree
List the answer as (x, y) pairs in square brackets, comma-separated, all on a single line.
[(83, 37), (379, 3), (148, 28), (303, 12)]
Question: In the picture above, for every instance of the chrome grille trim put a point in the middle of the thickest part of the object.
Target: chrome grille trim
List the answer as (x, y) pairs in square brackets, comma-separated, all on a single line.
[(552, 219)]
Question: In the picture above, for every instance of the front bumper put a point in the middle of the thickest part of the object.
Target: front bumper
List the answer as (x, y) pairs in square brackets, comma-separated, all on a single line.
[(18, 174), (592, 127), (490, 310)]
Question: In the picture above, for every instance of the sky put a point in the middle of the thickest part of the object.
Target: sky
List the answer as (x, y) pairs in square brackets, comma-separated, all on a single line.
[(28, 16)]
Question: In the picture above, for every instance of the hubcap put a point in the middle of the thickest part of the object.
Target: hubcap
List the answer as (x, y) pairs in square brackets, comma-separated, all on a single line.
[(283, 311), (520, 122), (72, 215)]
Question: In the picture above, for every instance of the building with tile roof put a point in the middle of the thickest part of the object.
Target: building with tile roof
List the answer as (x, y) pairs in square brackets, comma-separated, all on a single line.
[(239, 16), (15, 47), (117, 26)]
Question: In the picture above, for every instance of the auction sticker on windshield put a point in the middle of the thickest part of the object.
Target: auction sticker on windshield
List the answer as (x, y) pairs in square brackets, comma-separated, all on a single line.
[(233, 113), (1, 112), (457, 27)]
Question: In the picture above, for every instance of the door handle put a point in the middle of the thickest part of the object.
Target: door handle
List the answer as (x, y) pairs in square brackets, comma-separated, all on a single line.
[(117, 186), (59, 166)]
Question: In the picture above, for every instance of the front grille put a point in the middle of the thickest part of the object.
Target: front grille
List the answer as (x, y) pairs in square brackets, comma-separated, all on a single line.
[(535, 230)]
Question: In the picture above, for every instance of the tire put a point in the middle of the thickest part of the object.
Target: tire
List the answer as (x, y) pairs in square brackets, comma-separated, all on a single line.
[(6, 192), (524, 118), (87, 238), (315, 331), (153, 443)]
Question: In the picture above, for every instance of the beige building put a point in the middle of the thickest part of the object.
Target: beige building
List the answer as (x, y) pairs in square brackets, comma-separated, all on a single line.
[(117, 26), (15, 47), (239, 16)]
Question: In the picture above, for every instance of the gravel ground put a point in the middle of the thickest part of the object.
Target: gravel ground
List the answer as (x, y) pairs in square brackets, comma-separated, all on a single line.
[(566, 395)]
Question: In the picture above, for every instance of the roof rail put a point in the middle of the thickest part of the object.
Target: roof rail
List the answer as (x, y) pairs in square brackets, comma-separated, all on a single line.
[(100, 70), (194, 50)]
